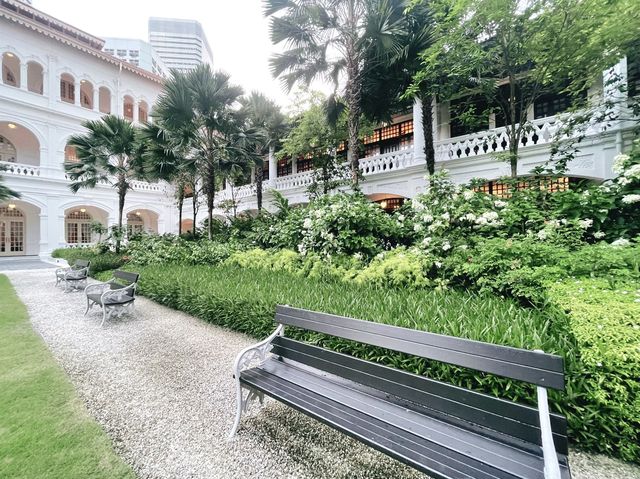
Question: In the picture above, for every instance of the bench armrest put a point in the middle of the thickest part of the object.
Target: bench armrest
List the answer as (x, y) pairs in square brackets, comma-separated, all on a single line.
[(98, 287), (79, 273), (116, 295), (60, 271), (258, 352)]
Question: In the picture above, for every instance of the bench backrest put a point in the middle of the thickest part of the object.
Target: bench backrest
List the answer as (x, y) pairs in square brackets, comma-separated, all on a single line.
[(491, 415), (82, 263), (533, 367), (124, 278)]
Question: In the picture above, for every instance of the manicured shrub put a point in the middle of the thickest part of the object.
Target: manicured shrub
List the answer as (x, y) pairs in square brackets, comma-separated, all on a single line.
[(100, 261), (606, 325), (154, 249)]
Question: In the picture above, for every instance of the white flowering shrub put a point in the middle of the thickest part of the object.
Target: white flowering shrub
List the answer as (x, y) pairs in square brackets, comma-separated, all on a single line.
[(346, 224)]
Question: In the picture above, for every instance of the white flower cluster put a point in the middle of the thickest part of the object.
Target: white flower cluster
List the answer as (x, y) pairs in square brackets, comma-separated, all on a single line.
[(586, 223), (621, 242), (619, 164), (630, 199), (488, 218)]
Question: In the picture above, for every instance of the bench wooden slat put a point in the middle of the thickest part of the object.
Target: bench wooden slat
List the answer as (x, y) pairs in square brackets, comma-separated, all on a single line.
[(505, 457), (536, 368), (419, 452), (126, 276), (506, 417)]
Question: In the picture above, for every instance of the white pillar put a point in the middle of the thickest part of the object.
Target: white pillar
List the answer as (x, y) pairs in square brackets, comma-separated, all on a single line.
[(252, 179), (53, 81), (294, 166), (76, 88), (136, 110), (418, 132), (273, 165), (96, 99), (24, 72)]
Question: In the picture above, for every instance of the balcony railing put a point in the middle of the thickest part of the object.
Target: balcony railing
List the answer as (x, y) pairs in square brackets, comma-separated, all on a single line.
[(19, 169), (494, 141)]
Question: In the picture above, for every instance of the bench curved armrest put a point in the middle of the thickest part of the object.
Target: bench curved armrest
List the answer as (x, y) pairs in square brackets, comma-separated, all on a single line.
[(257, 352), (115, 296), (78, 273), (98, 287), (61, 271)]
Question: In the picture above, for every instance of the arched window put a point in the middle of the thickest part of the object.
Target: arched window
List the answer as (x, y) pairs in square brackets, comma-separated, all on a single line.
[(7, 150), (35, 77), (127, 110), (10, 69), (78, 227), (70, 155), (67, 88), (143, 111), (104, 100), (135, 224), (86, 94)]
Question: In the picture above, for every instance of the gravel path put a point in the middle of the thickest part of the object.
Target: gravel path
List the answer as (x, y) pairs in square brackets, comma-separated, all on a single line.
[(160, 385)]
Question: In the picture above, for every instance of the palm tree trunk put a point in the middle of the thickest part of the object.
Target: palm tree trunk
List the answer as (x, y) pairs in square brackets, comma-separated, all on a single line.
[(180, 203), (427, 127), (194, 203), (258, 178), (353, 93), (122, 191)]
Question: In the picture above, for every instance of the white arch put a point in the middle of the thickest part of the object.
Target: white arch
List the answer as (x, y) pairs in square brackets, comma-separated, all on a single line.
[(142, 206), (11, 49), (28, 125), (78, 202)]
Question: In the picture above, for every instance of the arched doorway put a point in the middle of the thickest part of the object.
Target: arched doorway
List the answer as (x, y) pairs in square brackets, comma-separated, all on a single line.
[(388, 202), (141, 221), (12, 231), (77, 227), (18, 144)]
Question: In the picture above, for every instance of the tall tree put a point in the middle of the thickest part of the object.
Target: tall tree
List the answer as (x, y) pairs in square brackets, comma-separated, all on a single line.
[(265, 117), (107, 153), (5, 191), (508, 53), (198, 111), (329, 39), (389, 72)]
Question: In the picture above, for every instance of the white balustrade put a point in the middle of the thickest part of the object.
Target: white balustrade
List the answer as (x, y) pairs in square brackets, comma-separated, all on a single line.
[(386, 162), (494, 141), (289, 182), (19, 169)]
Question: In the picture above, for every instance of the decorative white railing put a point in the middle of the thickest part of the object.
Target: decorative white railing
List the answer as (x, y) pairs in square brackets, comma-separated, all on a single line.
[(386, 162), (494, 141), (19, 169), (289, 182), (144, 186)]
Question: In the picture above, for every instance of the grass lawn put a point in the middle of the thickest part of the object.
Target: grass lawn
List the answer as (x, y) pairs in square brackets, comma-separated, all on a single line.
[(45, 431)]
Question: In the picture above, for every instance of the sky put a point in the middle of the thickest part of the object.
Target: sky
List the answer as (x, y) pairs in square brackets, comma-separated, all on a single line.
[(236, 29)]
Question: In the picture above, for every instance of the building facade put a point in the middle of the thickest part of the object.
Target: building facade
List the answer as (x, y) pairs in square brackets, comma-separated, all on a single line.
[(54, 77), (136, 52), (181, 44), (393, 165)]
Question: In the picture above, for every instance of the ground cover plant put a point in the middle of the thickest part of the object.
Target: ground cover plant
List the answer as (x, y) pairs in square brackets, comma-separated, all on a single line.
[(46, 432)]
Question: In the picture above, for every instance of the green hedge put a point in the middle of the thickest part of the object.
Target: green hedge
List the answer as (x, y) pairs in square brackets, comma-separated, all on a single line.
[(100, 261), (244, 300)]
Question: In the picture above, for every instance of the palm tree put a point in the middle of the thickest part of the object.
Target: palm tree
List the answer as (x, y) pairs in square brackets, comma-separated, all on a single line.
[(108, 153), (197, 111), (266, 118), (5, 191), (163, 160), (329, 39), (389, 73)]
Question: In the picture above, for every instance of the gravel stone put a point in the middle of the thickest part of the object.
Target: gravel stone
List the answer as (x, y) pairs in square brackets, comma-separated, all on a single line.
[(160, 384)]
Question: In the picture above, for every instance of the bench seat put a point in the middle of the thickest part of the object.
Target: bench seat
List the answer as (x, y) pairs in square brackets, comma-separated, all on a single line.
[(95, 297), (384, 422)]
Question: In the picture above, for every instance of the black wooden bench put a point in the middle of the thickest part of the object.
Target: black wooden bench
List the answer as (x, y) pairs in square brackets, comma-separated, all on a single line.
[(75, 276), (438, 428), (115, 297)]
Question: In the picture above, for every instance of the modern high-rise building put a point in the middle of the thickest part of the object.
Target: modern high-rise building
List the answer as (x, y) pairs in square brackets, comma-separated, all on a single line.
[(136, 52), (181, 44)]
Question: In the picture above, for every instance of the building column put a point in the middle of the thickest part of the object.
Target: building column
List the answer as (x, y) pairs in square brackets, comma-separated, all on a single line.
[(418, 132), (96, 99), (273, 165), (24, 72), (76, 92), (52, 80), (294, 166), (135, 111)]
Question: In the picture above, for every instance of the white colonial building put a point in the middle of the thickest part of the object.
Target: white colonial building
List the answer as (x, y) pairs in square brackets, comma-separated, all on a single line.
[(393, 166), (54, 77)]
